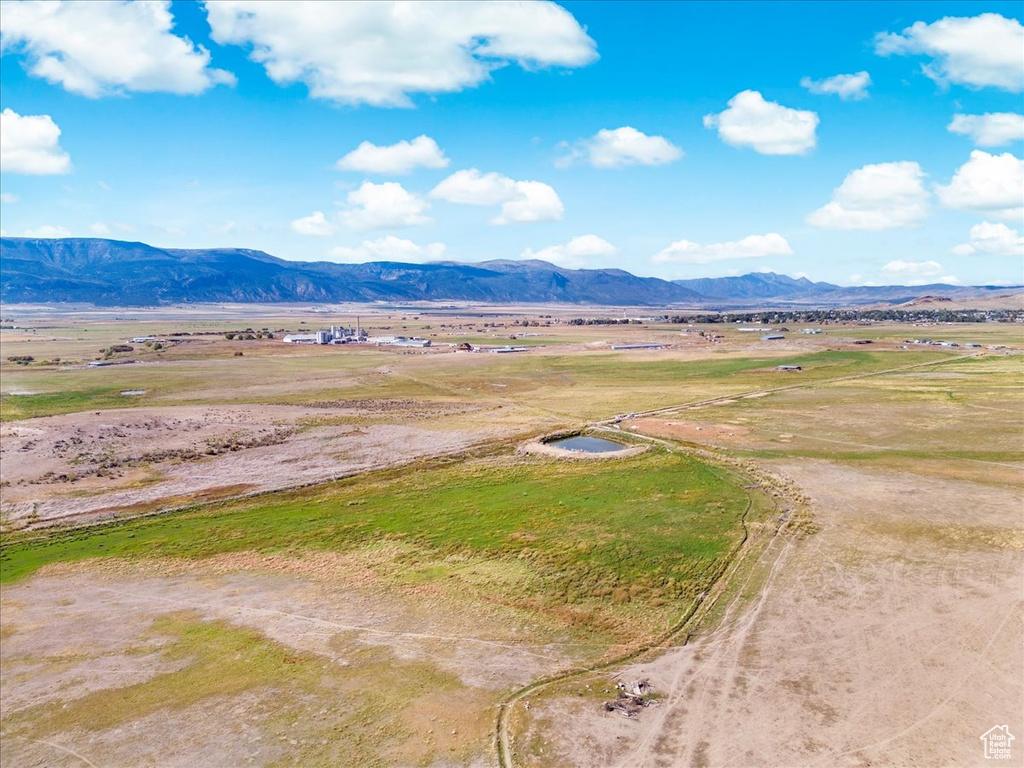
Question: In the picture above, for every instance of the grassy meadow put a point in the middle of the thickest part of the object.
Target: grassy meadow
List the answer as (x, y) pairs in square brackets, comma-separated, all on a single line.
[(596, 542)]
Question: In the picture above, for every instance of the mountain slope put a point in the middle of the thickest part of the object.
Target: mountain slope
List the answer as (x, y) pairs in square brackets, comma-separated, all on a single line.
[(112, 272)]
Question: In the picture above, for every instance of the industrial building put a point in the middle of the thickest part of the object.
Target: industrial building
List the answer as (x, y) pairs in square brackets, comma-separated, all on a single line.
[(336, 335), (341, 335)]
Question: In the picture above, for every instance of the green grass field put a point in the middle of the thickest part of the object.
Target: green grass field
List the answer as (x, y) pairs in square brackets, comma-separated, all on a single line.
[(609, 538)]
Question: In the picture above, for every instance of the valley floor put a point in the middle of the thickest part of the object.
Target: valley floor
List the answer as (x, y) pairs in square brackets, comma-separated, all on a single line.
[(867, 513)]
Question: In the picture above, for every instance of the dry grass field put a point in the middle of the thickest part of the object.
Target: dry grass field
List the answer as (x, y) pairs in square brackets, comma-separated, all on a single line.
[(242, 552)]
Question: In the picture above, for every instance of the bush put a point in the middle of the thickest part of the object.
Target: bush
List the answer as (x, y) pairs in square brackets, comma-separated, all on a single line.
[(20, 359)]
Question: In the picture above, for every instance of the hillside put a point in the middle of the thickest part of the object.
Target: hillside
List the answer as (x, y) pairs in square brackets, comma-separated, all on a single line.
[(113, 272)]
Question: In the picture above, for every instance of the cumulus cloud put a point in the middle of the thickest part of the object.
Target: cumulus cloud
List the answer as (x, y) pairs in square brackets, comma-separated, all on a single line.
[(876, 197), (30, 144), (520, 201), (389, 248), (847, 87), (226, 227), (47, 231), (103, 229), (8, 198), (918, 272), (314, 225), (400, 158), (993, 129), (765, 126), (376, 206), (621, 147), (470, 187), (987, 239), (990, 183), (382, 53), (750, 247), (976, 51), (575, 253), (110, 47)]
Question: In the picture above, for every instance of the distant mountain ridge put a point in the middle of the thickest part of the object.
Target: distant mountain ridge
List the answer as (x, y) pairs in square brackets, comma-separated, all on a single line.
[(117, 273)]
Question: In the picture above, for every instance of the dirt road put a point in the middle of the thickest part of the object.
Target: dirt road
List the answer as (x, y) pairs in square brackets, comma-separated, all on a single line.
[(892, 637)]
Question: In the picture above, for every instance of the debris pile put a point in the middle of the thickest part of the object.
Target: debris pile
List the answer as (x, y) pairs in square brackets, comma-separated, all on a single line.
[(631, 698)]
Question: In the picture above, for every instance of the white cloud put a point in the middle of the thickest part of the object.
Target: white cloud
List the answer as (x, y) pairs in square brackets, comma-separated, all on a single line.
[(30, 144), (8, 198), (389, 248), (470, 187), (993, 129), (104, 186), (110, 47), (876, 197), (847, 87), (521, 201), (400, 158), (225, 228), (765, 126), (918, 272), (990, 183), (750, 247), (534, 201), (913, 268), (976, 51), (376, 206), (103, 229), (47, 231), (314, 225), (621, 147), (575, 253), (382, 53), (989, 239)]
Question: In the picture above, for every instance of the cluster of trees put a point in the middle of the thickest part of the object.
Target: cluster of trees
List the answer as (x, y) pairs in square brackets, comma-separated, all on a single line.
[(248, 335), (605, 321), (826, 316)]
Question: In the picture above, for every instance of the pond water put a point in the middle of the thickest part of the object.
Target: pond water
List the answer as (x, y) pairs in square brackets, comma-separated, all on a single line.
[(587, 444)]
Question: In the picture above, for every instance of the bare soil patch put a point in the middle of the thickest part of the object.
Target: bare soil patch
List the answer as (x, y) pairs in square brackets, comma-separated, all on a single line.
[(691, 431), (877, 641), (89, 465)]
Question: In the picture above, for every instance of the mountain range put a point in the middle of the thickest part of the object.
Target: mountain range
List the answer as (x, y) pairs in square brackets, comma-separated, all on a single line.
[(116, 273)]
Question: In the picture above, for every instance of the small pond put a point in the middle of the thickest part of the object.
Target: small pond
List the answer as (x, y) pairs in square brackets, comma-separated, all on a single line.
[(587, 444)]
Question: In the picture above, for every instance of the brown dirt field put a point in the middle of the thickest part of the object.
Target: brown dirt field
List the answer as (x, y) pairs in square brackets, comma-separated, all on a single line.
[(884, 639), (691, 432), (89, 465), (84, 629)]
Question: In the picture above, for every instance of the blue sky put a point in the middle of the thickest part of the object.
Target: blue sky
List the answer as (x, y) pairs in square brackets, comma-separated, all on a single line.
[(669, 139)]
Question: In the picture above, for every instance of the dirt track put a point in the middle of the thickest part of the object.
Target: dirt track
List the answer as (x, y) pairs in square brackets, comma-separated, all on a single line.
[(891, 637)]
